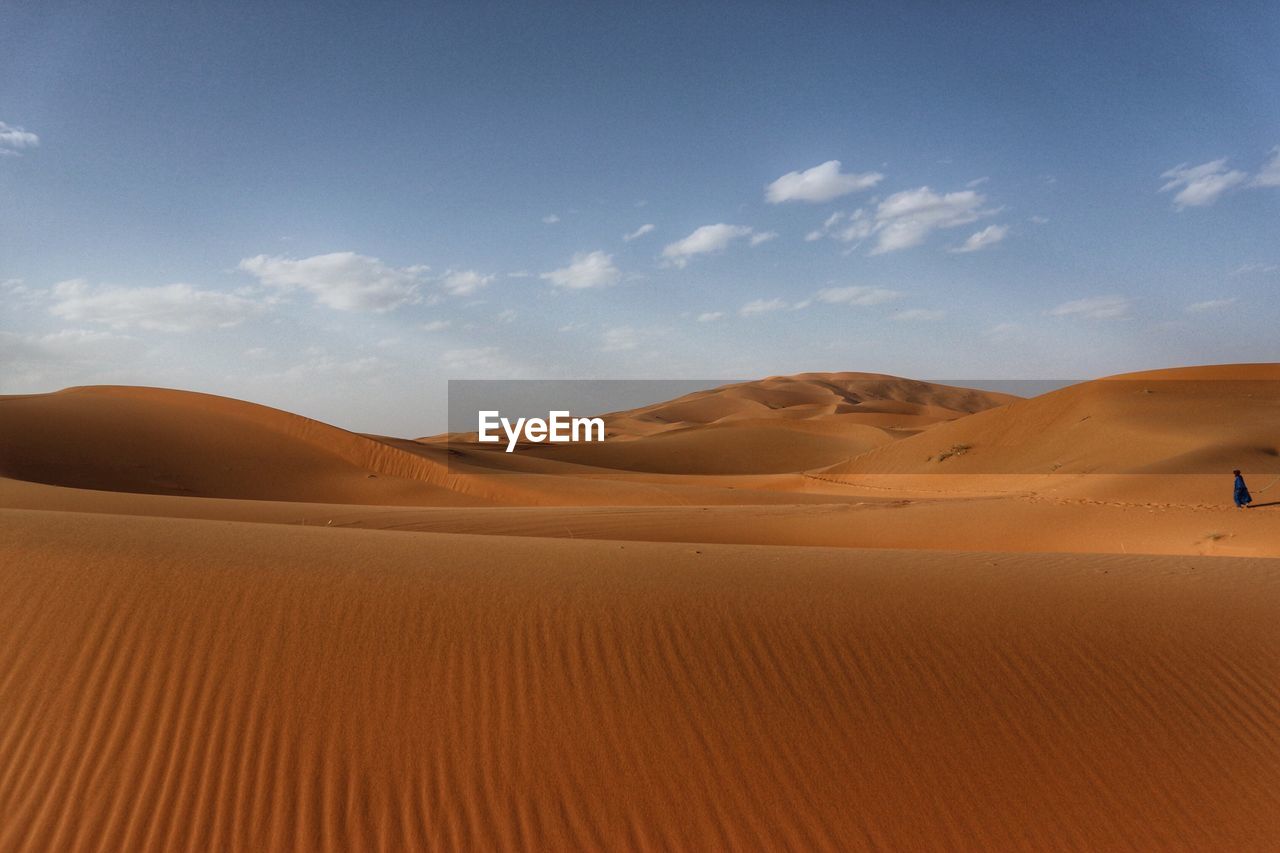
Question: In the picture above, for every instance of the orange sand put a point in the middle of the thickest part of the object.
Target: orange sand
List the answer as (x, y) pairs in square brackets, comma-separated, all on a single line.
[(211, 638)]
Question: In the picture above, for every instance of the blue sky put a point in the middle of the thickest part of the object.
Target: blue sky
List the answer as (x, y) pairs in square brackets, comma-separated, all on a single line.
[(334, 208)]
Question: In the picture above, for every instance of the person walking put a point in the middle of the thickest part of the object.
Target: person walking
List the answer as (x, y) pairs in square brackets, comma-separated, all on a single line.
[(1242, 496)]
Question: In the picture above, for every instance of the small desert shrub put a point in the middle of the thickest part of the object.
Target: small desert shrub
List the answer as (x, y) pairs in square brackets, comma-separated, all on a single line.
[(956, 450)]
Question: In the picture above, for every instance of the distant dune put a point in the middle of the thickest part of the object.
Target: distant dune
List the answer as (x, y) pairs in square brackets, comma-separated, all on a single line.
[(1205, 420), (776, 425), (824, 612)]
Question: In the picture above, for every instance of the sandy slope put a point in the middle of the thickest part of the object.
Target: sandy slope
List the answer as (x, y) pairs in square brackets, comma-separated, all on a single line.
[(1203, 420), (212, 685), (161, 441), (810, 396), (770, 426)]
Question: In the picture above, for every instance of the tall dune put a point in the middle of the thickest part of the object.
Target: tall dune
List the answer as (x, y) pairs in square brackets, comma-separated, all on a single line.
[(162, 441), (1184, 421), (770, 426), (810, 396)]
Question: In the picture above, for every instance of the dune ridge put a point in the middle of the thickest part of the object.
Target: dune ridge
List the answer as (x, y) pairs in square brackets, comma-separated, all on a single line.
[(1179, 421)]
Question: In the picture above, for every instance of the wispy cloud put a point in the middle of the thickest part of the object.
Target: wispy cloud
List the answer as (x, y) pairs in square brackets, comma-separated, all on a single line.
[(1201, 185), (550, 219), (344, 281), (845, 227), (15, 140), (710, 316), (624, 338), (1269, 176), (464, 282), (70, 356), (1255, 269), (639, 232), (707, 239), (978, 240), (918, 315), (477, 362), (821, 183), (165, 308), (856, 295), (585, 270), (1210, 305), (1004, 332), (906, 218), (1094, 308), (761, 306)]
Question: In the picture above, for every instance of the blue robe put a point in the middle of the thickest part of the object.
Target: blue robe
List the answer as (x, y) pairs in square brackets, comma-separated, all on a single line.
[(1242, 492)]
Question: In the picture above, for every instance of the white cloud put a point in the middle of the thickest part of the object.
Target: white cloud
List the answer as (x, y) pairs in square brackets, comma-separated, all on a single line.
[(918, 314), (762, 237), (706, 239), (550, 219), (341, 280), (167, 308), (320, 364), (436, 326), (1255, 268), (1210, 305), (977, 182), (464, 282), (1094, 308), (40, 363), (845, 227), (1004, 332), (639, 232), (761, 306), (821, 183), (856, 295), (1200, 185), (906, 218), (13, 140), (474, 360), (1270, 174), (710, 316), (507, 316), (1038, 220), (988, 236), (619, 338), (626, 338), (586, 269)]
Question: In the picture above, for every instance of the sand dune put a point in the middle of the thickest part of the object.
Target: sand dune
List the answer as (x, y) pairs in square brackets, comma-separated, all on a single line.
[(160, 441), (777, 425), (229, 627), (1205, 420), (201, 685), (738, 447), (807, 396)]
